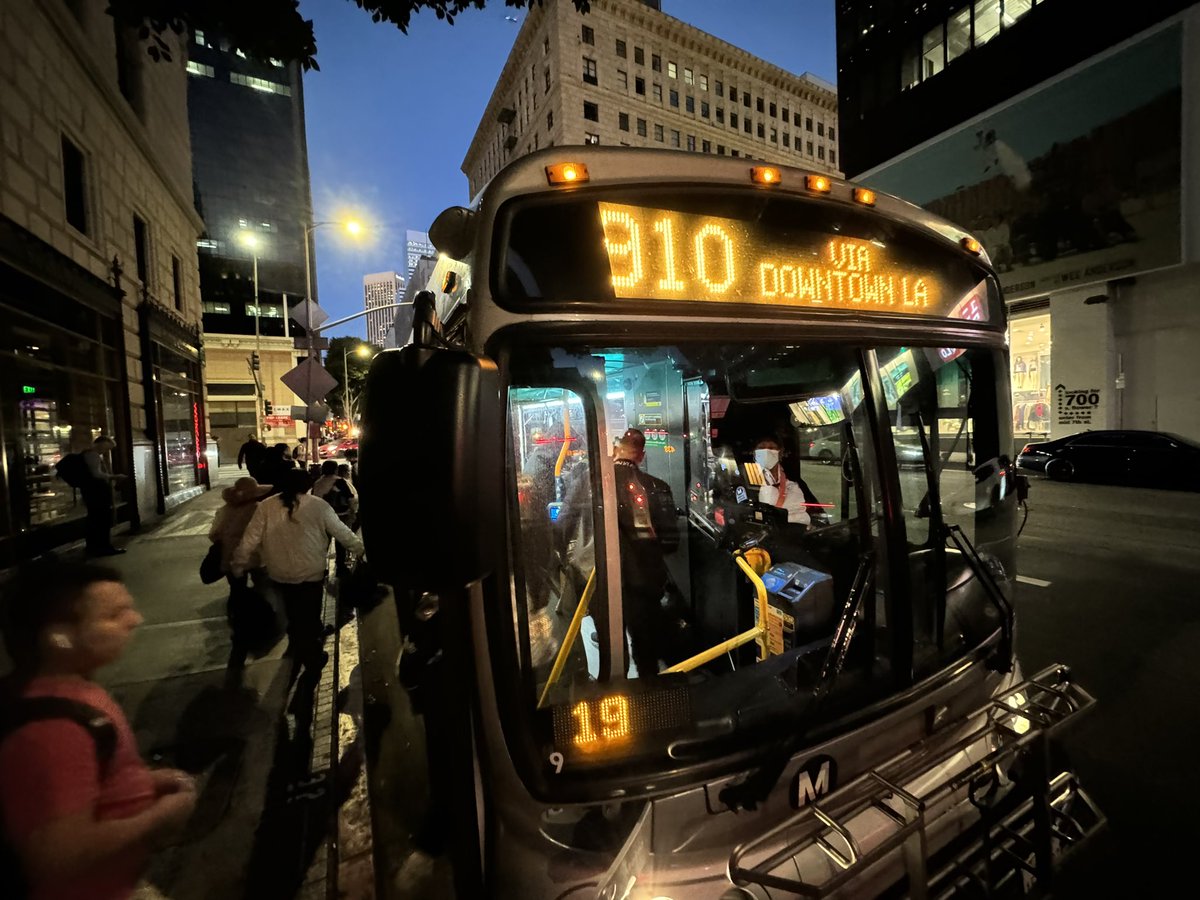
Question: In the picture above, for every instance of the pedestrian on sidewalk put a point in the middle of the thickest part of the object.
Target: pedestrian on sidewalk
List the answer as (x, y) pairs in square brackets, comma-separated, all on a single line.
[(97, 490), (292, 530), (252, 454), (245, 607), (80, 808)]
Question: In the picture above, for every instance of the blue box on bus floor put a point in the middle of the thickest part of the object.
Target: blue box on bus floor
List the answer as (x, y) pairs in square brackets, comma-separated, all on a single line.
[(800, 605)]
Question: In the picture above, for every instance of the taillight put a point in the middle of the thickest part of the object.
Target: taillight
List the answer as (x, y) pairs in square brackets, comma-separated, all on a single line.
[(1026, 449)]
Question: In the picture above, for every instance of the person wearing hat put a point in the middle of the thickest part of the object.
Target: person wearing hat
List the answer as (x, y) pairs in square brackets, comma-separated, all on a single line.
[(229, 524)]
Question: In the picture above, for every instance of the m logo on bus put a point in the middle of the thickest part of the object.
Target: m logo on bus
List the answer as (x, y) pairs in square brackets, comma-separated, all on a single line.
[(816, 778)]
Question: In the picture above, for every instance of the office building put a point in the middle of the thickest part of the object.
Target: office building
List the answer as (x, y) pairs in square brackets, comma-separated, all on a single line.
[(628, 74), (1069, 167), (380, 291), (416, 245), (250, 168), (99, 288)]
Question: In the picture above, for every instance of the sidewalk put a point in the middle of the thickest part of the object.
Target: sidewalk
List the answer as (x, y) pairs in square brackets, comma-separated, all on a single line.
[(267, 817)]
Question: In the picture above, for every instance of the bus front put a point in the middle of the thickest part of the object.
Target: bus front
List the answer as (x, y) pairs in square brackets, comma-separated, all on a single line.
[(751, 624)]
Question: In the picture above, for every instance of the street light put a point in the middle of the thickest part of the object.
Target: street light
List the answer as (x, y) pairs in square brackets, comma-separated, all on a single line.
[(361, 350)]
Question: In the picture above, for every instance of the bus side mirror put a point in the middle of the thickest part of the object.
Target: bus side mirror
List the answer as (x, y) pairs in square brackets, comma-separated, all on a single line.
[(431, 467)]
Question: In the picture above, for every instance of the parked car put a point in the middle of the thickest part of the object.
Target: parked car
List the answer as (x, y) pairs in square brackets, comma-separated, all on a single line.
[(337, 448), (1122, 457)]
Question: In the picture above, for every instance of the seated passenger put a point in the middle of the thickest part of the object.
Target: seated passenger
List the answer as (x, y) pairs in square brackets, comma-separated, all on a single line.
[(780, 491)]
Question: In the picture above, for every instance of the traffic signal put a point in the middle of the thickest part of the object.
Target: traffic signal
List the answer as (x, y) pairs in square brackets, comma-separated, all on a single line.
[(268, 409), (255, 363)]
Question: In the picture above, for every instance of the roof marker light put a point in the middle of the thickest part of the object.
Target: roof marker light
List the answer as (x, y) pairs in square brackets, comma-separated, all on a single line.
[(865, 196), (818, 183), (765, 175), (567, 173), (971, 245)]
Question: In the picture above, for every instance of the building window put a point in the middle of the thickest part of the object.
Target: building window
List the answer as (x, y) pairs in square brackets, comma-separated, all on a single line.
[(772, 110), (721, 115), (783, 115), (706, 146), (641, 127), (639, 86), (623, 121), (675, 99), (719, 88), (177, 281), (933, 51), (550, 120), (589, 36), (691, 143), (623, 77), (720, 149), (747, 125), (733, 93), (590, 138), (833, 157), (987, 21), (704, 109), (703, 82), (796, 120), (591, 111), (808, 124), (658, 133), (762, 132), (808, 147), (820, 129), (674, 138), (545, 46), (759, 104), (620, 48), (734, 153), (546, 74), (260, 84), (958, 34), (689, 103), (589, 71), (672, 71), (733, 120), (213, 306), (639, 56), (655, 62), (746, 99), (75, 185), (687, 76), (787, 140), (774, 136), (141, 251), (832, 135), (657, 93), (820, 152), (195, 68)]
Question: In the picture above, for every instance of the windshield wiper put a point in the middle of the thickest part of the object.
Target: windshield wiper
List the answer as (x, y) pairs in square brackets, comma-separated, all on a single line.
[(835, 660), (1001, 661)]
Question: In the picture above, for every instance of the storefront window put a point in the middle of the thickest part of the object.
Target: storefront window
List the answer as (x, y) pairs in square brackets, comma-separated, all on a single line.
[(177, 379), (1029, 340)]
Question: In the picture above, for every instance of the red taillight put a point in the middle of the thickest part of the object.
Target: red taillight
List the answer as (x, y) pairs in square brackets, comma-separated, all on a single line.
[(1026, 449)]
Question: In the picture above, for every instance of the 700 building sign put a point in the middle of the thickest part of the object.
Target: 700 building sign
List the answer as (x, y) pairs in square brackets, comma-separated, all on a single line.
[(1075, 406)]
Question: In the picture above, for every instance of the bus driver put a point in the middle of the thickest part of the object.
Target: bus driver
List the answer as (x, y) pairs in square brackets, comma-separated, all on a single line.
[(778, 490)]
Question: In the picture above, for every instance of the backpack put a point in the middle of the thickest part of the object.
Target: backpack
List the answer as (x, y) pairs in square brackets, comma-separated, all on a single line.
[(73, 470), (338, 497), (39, 709)]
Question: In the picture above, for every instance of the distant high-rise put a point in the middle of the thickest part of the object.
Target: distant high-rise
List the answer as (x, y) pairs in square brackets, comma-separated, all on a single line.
[(417, 244), (380, 290)]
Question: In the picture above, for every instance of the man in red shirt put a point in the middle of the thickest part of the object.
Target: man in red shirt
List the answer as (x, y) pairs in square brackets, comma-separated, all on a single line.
[(82, 824)]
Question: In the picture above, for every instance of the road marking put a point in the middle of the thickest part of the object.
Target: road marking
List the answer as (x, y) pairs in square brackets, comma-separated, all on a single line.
[(1036, 582)]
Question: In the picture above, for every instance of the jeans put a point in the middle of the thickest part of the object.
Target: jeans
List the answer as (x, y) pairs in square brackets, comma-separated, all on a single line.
[(305, 627)]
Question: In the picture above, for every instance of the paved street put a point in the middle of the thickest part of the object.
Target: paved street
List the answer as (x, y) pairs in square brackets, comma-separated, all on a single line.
[(272, 803), (1121, 606)]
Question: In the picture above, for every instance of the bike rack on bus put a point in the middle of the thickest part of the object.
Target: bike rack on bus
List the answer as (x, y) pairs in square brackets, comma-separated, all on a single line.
[(1023, 811)]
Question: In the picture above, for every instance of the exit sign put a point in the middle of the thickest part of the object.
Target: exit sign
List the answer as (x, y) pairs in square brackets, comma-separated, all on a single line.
[(28, 389)]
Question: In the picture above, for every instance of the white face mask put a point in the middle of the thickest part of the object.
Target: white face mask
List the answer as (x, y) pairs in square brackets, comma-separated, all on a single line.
[(766, 458)]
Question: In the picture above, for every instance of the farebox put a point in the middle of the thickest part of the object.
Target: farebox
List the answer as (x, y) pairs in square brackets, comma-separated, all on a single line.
[(800, 602)]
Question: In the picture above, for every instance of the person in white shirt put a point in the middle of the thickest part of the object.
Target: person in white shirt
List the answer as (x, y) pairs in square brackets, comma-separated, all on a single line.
[(780, 491), (291, 533)]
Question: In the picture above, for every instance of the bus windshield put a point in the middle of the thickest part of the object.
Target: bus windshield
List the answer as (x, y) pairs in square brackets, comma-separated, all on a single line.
[(695, 248), (701, 557)]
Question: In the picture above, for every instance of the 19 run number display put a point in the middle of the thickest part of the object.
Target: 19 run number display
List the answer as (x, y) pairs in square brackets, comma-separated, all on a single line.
[(657, 254)]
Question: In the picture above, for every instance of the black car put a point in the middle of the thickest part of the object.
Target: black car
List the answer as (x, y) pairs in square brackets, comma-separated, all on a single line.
[(1122, 457)]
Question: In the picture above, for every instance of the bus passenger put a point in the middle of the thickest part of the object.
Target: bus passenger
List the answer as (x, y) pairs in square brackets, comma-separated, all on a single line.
[(778, 490), (648, 531)]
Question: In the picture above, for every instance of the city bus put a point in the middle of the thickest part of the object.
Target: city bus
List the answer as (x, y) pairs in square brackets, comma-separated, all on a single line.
[(828, 701)]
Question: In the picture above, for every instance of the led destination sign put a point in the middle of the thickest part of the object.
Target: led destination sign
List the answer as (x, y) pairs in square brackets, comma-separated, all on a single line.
[(615, 723), (658, 254)]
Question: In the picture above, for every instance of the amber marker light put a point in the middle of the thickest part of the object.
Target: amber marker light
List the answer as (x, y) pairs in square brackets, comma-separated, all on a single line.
[(765, 175), (865, 196), (567, 173), (971, 245), (818, 183)]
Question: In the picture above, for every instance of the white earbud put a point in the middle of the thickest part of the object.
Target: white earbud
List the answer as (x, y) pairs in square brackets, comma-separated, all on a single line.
[(61, 641)]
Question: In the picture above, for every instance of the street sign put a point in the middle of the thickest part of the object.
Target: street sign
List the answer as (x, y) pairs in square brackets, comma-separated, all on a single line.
[(279, 421), (318, 343), (302, 311), (314, 412), (309, 381)]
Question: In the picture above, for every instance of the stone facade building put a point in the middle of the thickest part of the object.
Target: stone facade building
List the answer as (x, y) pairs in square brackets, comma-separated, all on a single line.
[(98, 275), (627, 74)]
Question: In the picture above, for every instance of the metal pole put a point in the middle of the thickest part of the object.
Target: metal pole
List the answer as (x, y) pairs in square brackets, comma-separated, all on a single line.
[(345, 391), (258, 413), (314, 428)]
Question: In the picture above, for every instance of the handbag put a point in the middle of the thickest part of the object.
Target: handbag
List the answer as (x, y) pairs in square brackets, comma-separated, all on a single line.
[(210, 566)]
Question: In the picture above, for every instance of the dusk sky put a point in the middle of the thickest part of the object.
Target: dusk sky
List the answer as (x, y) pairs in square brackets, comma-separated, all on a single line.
[(390, 116)]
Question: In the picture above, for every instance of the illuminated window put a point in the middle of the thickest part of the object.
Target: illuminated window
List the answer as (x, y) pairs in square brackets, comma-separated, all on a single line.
[(260, 84), (659, 134), (958, 34), (1015, 9), (591, 111), (933, 52), (590, 138), (987, 20), (623, 121), (589, 36), (687, 76), (198, 37), (703, 80), (221, 309), (621, 48), (195, 68), (641, 127), (589, 71), (672, 71)]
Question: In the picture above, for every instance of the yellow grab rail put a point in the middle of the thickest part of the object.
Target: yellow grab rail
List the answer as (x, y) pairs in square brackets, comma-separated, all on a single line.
[(560, 661), (757, 633)]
